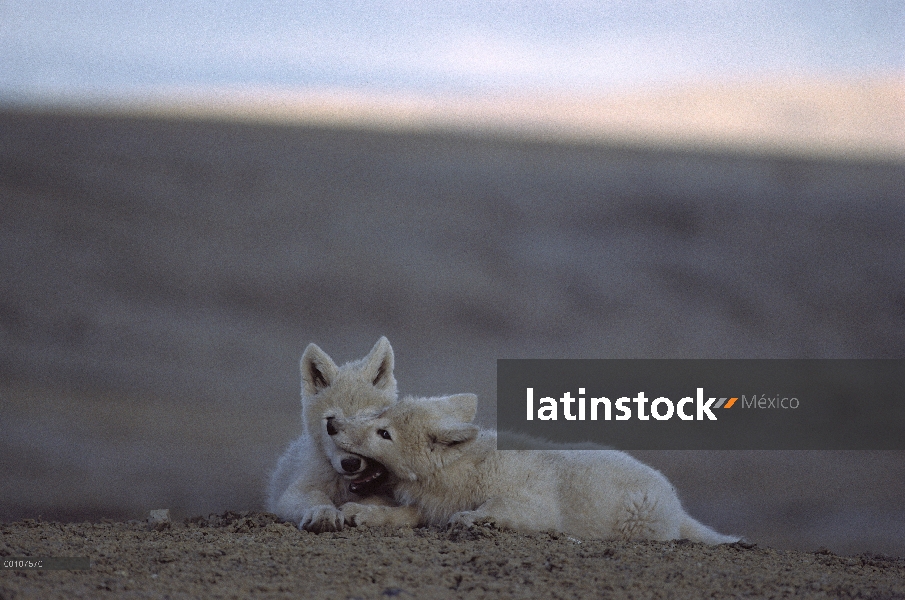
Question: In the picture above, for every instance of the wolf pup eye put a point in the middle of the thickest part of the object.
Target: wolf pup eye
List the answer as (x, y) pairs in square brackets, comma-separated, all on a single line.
[(331, 428), (384, 434)]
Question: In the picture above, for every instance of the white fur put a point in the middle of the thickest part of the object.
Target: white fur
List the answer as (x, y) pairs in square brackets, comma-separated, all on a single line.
[(306, 486), (452, 472)]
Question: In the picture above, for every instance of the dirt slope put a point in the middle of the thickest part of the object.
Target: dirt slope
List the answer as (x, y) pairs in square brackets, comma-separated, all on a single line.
[(240, 555)]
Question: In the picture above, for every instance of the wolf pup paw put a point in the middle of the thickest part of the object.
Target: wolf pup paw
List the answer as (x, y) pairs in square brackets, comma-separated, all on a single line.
[(469, 518), (360, 515), (320, 519)]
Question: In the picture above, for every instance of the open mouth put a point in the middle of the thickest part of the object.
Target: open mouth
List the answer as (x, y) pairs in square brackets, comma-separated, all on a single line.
[(370, 480)]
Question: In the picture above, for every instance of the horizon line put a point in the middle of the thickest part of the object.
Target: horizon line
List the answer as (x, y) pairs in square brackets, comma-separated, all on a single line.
[(860, 117)]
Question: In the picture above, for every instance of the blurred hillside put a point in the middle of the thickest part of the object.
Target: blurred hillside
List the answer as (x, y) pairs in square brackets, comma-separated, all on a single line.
[(161, 277), (816, 117)]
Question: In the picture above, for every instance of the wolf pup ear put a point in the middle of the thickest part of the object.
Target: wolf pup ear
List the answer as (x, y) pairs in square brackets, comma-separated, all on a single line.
[(452, 434), (379, 365), (318, 370), (462, 407)]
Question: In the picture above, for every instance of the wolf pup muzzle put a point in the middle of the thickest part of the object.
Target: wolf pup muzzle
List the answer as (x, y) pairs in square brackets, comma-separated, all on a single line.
[(367, 481)]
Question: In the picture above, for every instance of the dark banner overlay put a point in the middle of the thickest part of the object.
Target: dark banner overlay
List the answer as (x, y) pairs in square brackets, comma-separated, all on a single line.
[(701, 404)]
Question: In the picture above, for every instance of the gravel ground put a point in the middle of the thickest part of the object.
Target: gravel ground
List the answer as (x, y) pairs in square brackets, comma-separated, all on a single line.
[(239, 555)]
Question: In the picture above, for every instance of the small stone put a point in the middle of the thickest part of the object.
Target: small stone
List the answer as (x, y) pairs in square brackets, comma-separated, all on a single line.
[(159, 519)]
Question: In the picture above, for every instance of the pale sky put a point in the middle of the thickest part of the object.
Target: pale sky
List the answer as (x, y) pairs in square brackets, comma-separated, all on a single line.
[(57, 47)]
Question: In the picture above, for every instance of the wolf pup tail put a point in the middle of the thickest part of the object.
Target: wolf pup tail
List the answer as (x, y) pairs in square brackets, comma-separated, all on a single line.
[(698, 532)]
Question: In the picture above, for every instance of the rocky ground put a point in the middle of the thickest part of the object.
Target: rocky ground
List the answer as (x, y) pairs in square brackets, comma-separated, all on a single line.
[(241, 555)]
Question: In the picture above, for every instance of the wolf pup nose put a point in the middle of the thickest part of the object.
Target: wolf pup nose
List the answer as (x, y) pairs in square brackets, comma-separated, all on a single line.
[(331, 426), (351, 465)]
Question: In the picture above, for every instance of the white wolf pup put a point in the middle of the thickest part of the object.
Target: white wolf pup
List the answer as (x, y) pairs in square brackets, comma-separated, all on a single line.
[(305, 486), (452, 472)]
